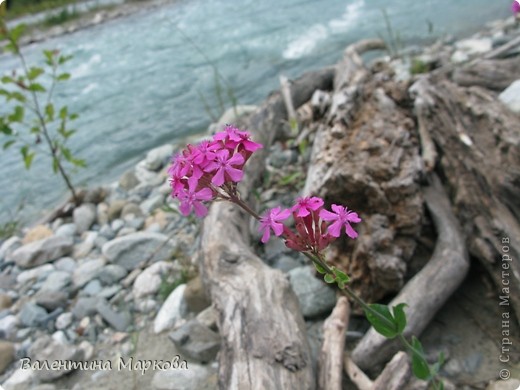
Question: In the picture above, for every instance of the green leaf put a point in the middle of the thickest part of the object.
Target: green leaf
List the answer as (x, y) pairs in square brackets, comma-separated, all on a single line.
[(35, 87), (18, 96), (17, 115), (329, 278), (400, 317), (384, 322), (34, 73), (7, 80), (419, 364), (320, 269), (63, 77), (63, 59), (66, 153), (340, 275), (35, 130), (49, 57), (4, 128), (17, 31), (49, 111), (79, 162), (8, 144), (27, 156), (63, 113), (55, 165), (73, 116)]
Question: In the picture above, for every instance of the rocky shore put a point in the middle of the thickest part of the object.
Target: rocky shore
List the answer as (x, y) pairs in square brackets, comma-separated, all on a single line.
[(114, 284)]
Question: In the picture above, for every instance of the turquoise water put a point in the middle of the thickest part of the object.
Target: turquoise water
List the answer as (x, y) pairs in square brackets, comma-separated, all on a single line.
[(137, 82)]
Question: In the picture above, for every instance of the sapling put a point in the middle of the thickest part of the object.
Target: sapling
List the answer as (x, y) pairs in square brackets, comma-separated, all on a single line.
[(33, 119)]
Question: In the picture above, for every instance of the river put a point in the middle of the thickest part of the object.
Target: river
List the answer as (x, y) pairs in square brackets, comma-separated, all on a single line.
[(137, 82)]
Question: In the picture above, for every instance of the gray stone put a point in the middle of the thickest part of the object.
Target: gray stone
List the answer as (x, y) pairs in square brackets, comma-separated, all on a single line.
[(95, 195), (131, 209), (57, 281), (208, 317), (86, 245), (111, 273), (86, 271), (20, 380), (149, 281), (315, 296), (92, 288), (273, 249), (286, 263), (8, 247), (511, 96), (158, 157), (136, 223), (8, 326), (146, 176), (128, 180), (145, 305), (50, 299), (85, 306), (67, 264), (37, 273), (152, 203), (510, 384), (172, 310), (67, 230), (109, 292), (47, 349), (64, 320), (84, 216), (117, 225), (196, 341), (197, 376), (114, 209), (102, 213), (31, 314), (42, 251), (131, 250), (107, 232), (118, 320)]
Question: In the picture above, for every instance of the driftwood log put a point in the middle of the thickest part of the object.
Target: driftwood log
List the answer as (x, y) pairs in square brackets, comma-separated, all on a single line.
[(264, 341), (427, 291), (330, 362)]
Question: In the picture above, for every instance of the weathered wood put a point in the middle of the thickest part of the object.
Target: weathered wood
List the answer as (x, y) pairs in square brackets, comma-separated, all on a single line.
[(264, 342), (366, 156), (495, 75), (429, 289), (330, 363), (396, 374), (357, 376), (479, 141)]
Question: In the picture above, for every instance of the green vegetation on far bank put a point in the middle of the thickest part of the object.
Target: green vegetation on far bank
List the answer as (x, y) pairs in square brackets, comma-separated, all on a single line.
[(19, 8)]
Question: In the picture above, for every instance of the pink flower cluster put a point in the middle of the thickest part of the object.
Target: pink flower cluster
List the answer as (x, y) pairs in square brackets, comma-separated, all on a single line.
[(515, 7), (197, 173), (315, 226)]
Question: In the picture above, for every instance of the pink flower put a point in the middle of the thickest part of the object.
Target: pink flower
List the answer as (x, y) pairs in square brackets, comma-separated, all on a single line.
[(224, 167), (271, 220), (515, 7), (205, 152), (233, 137), (190, 198), (341, 217), (304, 206)]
